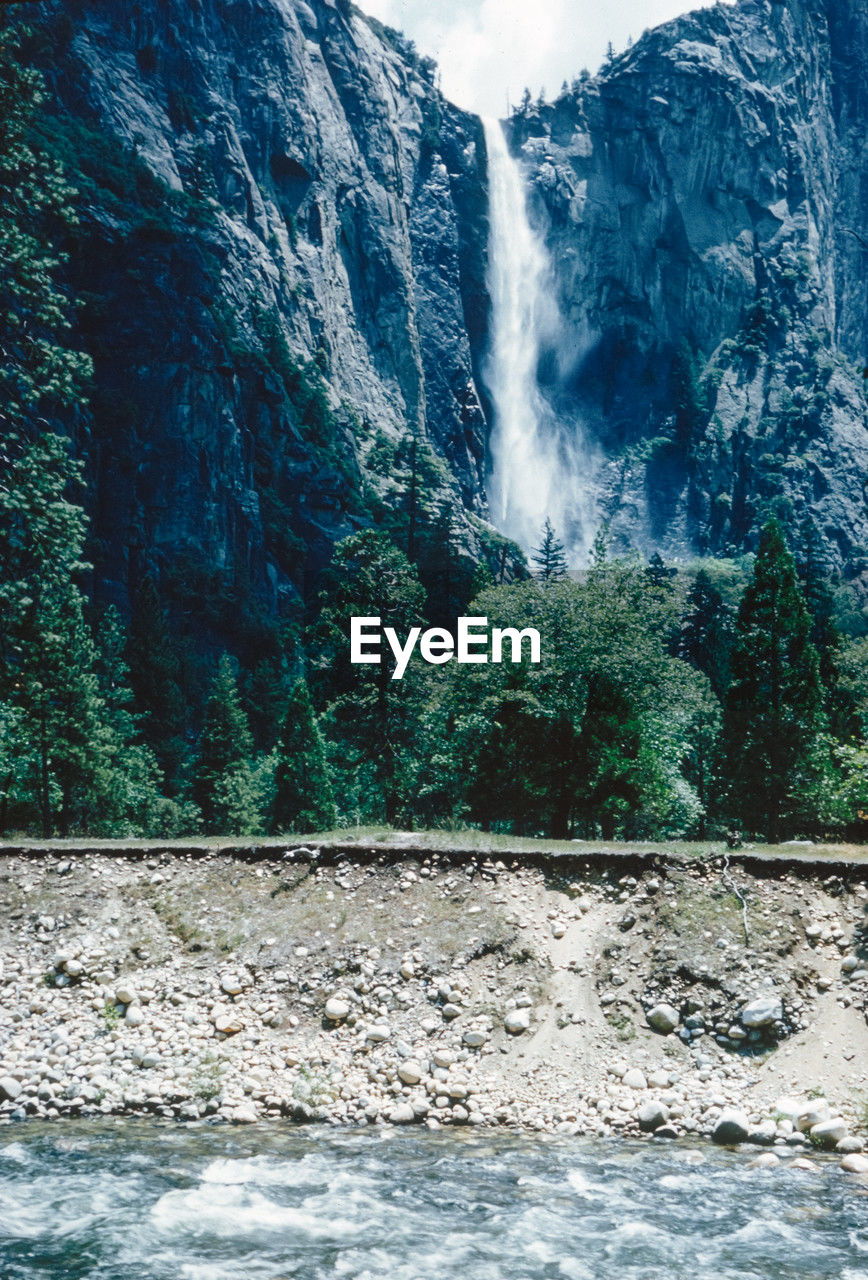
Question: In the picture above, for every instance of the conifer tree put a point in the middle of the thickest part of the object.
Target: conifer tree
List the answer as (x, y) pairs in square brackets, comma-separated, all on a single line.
[(773, 707), (813, 571), (132, 802), (706, 633), (303, 799), (154, 675), (225, 747), (47, 657), (549, 557), (39, 373)]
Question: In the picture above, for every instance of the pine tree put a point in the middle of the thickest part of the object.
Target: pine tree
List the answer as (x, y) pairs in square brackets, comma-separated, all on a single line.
[(706, 633), (773, 707), (132, 802), (303, 799), (47, 679), (661, 575), (47, 658), (812, 567), (550, 557), (154, 675), (225, 746), (39, 374)]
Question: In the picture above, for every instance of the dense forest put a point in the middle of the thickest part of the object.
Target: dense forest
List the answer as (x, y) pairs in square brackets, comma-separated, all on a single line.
[(688, 700)]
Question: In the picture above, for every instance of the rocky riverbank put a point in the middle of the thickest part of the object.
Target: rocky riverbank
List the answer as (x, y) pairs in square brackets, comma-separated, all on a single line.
[(682, 999)]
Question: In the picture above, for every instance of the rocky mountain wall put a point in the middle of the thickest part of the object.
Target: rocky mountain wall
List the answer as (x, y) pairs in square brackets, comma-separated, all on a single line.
[(704, 204), (279, 261), (281, 264)]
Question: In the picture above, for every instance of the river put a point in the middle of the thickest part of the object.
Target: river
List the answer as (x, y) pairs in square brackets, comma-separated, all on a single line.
[(140, 1201)]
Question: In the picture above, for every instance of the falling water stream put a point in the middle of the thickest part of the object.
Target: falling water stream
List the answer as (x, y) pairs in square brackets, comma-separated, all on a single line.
[(539, 462)]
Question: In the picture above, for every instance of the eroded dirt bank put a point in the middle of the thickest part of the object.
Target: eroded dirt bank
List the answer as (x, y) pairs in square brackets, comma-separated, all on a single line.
[(394, 990)]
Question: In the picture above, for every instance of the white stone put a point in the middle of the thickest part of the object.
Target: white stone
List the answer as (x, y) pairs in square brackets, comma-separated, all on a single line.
[(336, 1009), (634, 1079), (732, 1127), (651, 1115), (761, 1012), (767, 1160), (828, 1132), (663, 1018), (403, 1113), (517, 1021), (230, 1024), (813, 1113)]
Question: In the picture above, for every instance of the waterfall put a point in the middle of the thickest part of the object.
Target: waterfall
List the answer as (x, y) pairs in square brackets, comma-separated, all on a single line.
[(538, 463)]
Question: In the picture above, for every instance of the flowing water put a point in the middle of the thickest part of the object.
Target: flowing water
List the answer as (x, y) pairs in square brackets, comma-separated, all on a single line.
[(540, 462), (139, 1201)]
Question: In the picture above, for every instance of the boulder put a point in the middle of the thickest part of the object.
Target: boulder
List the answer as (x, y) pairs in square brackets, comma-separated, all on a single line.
[(828, 1133), (731, 1128), (663, 1018), (652, 1115), (634, 1079), (336, 1009), (403, 1113), (762, 1012), (517, 1021), (9, 1088), (812, 1113)]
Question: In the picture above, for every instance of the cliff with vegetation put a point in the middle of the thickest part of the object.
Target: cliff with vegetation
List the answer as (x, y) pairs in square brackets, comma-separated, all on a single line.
[(241, 326), (703, 200)]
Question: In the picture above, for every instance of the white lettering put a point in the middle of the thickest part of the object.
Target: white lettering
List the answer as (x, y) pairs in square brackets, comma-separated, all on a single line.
[(402, 656), (466, 639), (515, 638), (358, 639), (437, 645)]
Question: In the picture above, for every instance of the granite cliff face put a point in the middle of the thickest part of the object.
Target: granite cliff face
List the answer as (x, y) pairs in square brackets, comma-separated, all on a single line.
[(704, 205), (282, 262)]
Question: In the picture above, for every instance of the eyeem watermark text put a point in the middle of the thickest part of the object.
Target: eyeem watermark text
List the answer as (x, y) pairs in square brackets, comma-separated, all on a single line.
[(472, 643)]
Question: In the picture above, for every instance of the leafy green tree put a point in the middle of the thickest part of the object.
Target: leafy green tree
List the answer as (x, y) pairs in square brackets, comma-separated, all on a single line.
[(374, 716), (303, 799), (579, 742), (549, 557), (40, 375), (221, 785), (773, 710)]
